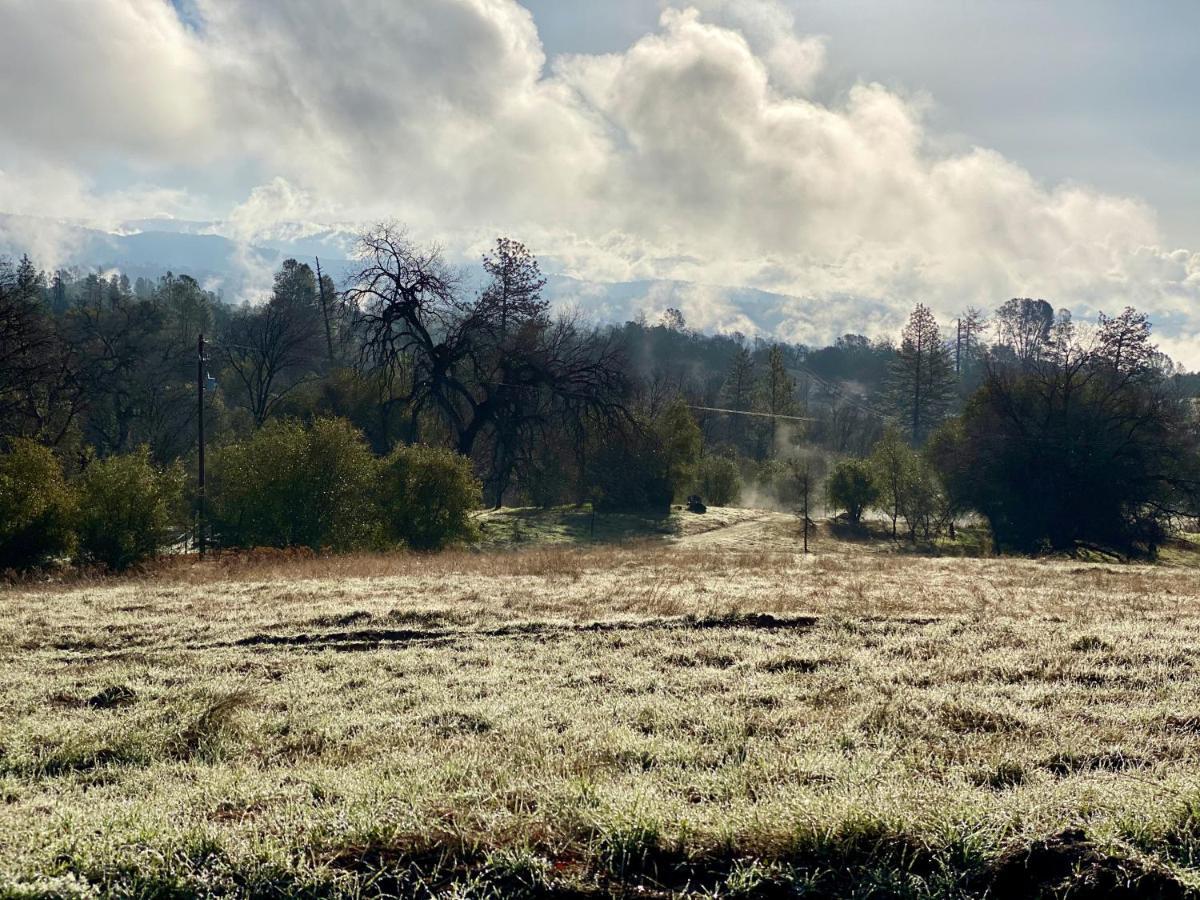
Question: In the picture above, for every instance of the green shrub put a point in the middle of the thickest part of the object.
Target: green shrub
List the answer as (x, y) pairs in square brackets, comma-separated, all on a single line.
[(37, 507), (126, 505), (894, 467), (426, 495), (291, 485), (718, 480), (852, 487), (925, 505)]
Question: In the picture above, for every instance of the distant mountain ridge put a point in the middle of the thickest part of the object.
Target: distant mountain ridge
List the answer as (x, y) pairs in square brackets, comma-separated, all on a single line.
[(242, 270), (148, 248)]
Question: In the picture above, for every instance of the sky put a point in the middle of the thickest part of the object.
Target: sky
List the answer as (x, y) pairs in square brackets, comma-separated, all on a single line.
[(854, 155), (1093, 91)]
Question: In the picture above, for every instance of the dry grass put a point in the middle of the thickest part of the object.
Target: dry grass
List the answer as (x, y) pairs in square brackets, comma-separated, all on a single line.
[(683, 717)]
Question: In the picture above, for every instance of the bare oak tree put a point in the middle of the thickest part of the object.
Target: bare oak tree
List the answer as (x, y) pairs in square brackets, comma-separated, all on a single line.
[(496, 367), (273, 349)]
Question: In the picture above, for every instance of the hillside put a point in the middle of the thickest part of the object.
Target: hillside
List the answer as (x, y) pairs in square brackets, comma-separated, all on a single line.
[(734, 529)]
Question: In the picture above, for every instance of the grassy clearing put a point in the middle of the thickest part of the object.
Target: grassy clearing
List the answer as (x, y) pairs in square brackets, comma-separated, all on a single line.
[(523, 527), (665, 719)]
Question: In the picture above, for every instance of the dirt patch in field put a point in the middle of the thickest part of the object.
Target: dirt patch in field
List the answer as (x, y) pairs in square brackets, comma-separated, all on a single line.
[(367, 639), (376, 638)]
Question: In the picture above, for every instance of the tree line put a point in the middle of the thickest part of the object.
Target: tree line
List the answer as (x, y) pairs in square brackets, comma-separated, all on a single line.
[(1068, 438), (1008, 419)]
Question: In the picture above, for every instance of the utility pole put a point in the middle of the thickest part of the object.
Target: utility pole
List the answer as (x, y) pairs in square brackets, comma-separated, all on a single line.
[(200, 375), (324, 310), (807, 479), (958, 350)]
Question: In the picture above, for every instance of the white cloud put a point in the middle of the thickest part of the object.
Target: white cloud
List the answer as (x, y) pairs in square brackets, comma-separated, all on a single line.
[(269, 205), (87, 76), (42, 200), (794, 61), (699, 154)]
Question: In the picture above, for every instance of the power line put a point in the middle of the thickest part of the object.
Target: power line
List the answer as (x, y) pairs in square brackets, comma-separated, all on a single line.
[(731, 412), (744, 412), (846, 396)]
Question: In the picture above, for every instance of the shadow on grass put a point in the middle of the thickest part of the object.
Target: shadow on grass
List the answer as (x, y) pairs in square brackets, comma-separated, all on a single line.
[(375, 638), (862, 859)]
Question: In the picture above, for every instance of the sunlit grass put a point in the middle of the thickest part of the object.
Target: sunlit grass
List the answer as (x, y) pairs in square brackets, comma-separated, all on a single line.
[(670, 716)]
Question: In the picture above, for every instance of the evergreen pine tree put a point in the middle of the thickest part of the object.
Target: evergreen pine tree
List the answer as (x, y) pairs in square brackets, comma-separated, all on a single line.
[(776, 397), (921, 381), (737, 393)]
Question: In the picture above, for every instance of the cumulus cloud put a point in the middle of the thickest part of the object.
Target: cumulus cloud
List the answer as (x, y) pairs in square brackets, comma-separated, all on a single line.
[(793, 60), (697, 155), (269, 205), (83, 77)]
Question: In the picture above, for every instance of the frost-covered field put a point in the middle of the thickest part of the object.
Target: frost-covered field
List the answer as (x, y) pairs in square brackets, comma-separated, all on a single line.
[(674, 718)]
